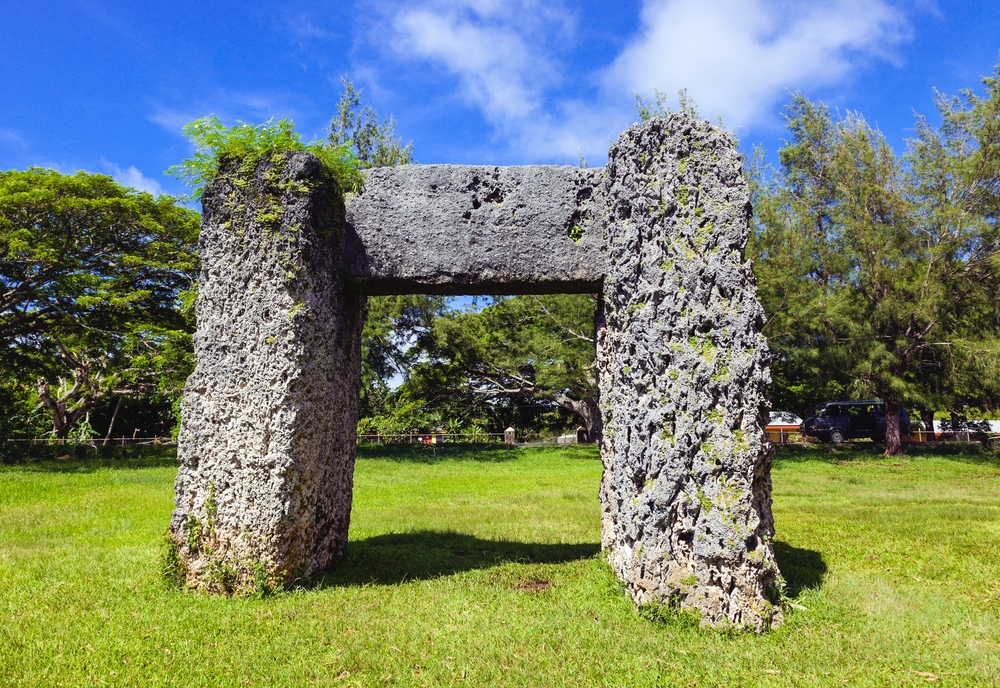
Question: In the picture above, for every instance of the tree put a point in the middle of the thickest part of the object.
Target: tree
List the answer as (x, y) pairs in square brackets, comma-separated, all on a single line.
[(955, 176), (521, 347), (94, 278), (374, 142), (791, 222), (881, 274), (393, 339)]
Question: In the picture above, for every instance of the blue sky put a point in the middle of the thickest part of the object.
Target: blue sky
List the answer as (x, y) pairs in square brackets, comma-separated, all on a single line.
[(106, 86)]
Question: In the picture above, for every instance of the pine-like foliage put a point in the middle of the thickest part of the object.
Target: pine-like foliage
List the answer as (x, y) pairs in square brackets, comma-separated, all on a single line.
[(881, 273)]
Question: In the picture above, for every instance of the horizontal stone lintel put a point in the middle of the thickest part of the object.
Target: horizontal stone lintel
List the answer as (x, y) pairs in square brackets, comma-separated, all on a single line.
[(465, 229)]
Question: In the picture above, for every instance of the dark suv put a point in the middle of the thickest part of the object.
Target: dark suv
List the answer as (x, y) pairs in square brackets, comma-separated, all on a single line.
[(836, 421)]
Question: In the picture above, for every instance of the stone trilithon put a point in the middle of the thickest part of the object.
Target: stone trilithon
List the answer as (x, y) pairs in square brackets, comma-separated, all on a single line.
[(267, 441)]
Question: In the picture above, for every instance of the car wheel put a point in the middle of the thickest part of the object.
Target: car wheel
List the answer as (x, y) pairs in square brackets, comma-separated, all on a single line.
[(836, 436)]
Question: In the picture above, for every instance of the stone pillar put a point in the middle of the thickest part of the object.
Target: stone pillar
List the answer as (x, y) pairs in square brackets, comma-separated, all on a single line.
[(267, 441), (509, 437), (686, 491)]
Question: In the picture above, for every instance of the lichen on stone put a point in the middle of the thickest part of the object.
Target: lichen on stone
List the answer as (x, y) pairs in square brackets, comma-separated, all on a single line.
[(267, 444), (703, 438)]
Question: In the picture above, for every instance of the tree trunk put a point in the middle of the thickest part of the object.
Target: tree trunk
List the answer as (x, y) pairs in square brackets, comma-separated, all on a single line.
[(62, 418), (893, 445), (56, 409), (111, 425), (589, 413), (927, 416), (595, 424)]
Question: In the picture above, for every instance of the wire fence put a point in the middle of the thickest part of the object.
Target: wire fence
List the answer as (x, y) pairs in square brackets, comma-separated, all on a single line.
[(101, 442), (45, 448), (367, 438), (455, 438), (432, 438)]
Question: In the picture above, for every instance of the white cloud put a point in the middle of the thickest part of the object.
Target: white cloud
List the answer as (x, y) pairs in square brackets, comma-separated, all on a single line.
[(305, 27), (131, 176), (11, 139), (737, 58), (172, 120), (500, 51)]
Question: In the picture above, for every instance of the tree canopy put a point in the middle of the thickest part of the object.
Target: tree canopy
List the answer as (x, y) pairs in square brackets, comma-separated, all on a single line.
[(372, 141), (880, 273), (95, 280), (517, 349)]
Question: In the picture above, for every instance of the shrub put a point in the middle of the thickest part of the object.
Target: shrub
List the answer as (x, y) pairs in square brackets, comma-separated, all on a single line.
[(214, 142)]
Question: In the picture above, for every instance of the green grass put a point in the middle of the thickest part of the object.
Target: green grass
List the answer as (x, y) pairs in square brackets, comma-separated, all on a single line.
[(893, 565)]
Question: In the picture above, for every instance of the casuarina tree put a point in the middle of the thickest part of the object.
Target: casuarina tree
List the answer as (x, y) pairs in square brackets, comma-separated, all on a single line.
[(881, 273)]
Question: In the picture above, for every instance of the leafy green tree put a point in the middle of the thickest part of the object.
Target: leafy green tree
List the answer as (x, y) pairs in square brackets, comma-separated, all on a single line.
[(393, 339), (954, 172), (518, 348), (794, 256), (94, 277), (881, 274)]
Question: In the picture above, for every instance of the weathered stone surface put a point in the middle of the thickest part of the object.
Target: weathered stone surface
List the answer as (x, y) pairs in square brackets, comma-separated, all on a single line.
[(460, 229), (267, 441), (683, 372), (268, 438)]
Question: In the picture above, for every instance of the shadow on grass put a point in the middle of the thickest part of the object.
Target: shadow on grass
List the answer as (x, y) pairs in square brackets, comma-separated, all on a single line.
[(399, 557), (88, 461), (802, 569), (970, 452)]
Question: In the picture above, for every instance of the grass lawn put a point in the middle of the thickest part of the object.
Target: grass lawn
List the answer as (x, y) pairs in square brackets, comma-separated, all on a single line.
[(485, 568)]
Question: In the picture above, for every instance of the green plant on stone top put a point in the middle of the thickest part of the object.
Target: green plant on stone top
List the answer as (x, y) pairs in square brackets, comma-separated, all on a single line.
[(214, 142), (660, 105)]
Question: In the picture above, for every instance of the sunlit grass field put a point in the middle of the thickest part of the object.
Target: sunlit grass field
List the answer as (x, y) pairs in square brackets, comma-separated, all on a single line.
[(485, 569)]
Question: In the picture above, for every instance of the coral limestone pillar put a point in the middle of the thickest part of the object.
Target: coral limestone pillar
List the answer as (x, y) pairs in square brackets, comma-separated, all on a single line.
[(267, 441), (683, 372)]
